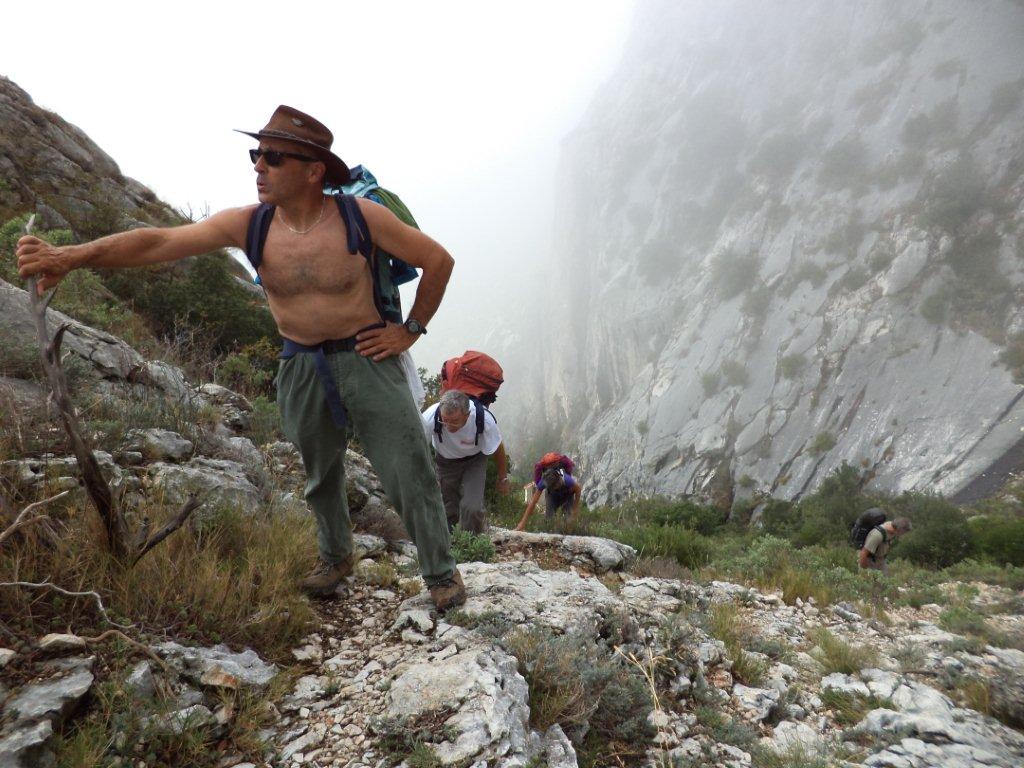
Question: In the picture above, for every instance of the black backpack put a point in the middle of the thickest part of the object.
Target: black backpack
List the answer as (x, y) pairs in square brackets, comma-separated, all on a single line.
[(481, 413), (868, 521), (385, 298)]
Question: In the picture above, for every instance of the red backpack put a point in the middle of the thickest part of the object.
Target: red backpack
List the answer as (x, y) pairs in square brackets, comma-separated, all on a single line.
[(476, 374), (479, 376), (549, 460)]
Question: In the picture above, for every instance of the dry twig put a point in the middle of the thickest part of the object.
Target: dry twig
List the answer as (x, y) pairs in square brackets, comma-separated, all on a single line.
[(61, 590), (134, 643), (23, 520)]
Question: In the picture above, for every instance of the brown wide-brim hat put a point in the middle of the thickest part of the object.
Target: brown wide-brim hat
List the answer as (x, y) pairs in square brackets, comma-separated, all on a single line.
[(288, 124)]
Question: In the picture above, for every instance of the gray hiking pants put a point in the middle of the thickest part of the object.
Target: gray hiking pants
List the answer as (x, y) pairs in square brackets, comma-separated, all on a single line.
[(462, 488)]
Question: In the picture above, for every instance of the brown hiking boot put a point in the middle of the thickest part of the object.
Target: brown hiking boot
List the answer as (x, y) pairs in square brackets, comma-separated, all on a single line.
[(448, 593), (324, 578)]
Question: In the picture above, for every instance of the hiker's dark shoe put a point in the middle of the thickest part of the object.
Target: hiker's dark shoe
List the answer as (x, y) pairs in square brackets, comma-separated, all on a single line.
[(448, 593), (325, 578)]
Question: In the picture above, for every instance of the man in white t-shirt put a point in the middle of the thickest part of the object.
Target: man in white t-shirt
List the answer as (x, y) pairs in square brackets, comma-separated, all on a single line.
[(462, 440)]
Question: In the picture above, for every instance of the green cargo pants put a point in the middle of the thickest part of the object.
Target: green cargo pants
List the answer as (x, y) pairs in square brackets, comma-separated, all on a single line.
[(382, 413)]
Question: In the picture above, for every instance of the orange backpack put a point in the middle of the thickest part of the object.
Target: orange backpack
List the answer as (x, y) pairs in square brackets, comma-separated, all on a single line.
[(476, 374)]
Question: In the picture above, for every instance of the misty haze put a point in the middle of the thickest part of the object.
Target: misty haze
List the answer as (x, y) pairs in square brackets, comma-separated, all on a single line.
[(714, 454)]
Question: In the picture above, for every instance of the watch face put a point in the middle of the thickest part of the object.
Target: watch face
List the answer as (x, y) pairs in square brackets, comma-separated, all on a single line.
[(413, 326)]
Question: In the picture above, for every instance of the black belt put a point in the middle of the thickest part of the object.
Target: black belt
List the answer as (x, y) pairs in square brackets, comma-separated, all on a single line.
[(319, 351)]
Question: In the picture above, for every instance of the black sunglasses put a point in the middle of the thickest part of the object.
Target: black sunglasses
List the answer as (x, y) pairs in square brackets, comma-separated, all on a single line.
[(274, 158)]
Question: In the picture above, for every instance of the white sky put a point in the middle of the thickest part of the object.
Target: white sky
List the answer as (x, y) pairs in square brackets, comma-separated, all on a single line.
[(459, 107)]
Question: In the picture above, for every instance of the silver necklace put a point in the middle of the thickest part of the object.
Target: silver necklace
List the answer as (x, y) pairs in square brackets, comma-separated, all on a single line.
[(323, 207)]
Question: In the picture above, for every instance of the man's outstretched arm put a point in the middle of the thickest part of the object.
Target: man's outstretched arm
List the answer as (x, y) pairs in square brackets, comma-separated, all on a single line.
[(135, 248), (415, 248)]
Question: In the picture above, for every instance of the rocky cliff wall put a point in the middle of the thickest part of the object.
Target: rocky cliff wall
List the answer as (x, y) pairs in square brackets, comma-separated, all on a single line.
[(51, 167), (794, 234)]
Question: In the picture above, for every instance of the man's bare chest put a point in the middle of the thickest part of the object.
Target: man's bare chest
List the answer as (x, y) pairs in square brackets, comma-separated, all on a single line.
[(294, 265)]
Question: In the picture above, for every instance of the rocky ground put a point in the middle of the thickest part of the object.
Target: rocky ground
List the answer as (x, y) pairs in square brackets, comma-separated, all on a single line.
[(378, 656), (385, 680), (382, 664)]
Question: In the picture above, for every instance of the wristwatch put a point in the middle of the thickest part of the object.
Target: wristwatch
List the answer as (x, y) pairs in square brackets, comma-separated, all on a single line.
[(414, 326)]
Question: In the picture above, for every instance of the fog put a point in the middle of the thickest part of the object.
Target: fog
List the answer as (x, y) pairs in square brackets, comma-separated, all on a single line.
[(458, 107)]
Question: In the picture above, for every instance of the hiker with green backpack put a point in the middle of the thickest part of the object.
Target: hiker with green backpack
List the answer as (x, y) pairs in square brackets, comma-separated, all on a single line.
[(325, 262)]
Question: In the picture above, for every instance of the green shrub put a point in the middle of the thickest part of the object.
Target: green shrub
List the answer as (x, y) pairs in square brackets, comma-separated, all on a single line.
[(575, 682), (924, 128), (964, 620), (756, 303), (843, 164), (850, 708), (726, 624), (823, 443), (251, 370), (733, 273), (734, 373), (689, 548), (711, 383), (659, 260), (955, 195), (852, 280), (1013, 357), (689, 514), (471, 547), (806, 270), (266, 421), (999, 540), (836, 655), (779, 155), (790, 366), (934, 307), (19, 359), (940, 535), (829, 513), (780, 517), (199, 292)]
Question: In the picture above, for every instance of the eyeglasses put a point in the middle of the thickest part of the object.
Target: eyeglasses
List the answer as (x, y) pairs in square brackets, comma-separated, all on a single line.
[(274, 158)]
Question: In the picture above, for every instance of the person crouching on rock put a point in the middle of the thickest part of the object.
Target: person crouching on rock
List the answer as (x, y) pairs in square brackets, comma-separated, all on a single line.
[(464, 434), (562, 494)]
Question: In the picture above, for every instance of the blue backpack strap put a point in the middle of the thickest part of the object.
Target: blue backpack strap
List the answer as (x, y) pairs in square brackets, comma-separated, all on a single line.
[(256, 235), (356, 229), (358, 233)]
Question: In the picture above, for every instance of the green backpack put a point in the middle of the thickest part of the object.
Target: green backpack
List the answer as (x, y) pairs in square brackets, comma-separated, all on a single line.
[(391, 272)]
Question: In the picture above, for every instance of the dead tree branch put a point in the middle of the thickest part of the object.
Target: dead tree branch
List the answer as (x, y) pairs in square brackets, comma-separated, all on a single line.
[(170, 527), (134, 643), (61, 590), (95, 484), (23, 520), (118, 540)]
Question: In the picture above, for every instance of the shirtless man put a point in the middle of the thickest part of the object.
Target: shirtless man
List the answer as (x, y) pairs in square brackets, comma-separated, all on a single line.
[(321, 297)]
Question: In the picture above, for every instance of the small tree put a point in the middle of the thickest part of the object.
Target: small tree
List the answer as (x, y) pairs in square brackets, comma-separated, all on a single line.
[(431, 386)]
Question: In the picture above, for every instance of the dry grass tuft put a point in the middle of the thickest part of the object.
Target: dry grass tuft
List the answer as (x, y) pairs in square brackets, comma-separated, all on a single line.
[(839, 656), (228, 577)]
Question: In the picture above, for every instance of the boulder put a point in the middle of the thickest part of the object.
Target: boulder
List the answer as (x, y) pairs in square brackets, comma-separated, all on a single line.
[(592, 552), (158, 444), (246, 668), (490, 698), (220, 482)]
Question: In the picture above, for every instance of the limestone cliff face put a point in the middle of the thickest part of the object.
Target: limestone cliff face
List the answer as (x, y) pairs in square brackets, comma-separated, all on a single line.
[(51, 167), (795, 236)]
